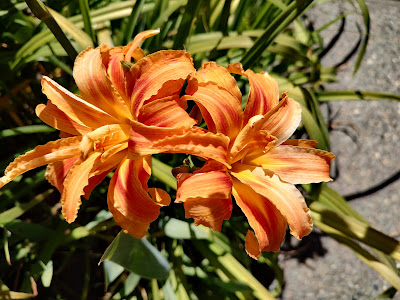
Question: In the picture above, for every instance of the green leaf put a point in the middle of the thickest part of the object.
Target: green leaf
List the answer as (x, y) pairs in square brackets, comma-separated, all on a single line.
[(163, 172), (25, 130), (133, 18), (84, 7), (366, 18), (353, 228), (111, 272), (32, 231), (189, 17), (178, 229), (18, 210), (354, 95), (47, 274), (138, 256), (287, 16)]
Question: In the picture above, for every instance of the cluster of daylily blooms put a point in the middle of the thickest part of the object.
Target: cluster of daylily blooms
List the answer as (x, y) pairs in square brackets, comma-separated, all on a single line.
[(129, 110)]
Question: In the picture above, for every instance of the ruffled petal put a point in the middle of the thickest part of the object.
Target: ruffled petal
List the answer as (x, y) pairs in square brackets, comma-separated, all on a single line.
[(75, 181), (57, 171), (95, 86), (74, 107), (206, 197), (56, 118), (220, 109), (284, 196), (264, 92), (283, 119), (127, 195), (165, 112), (42, 155), (158, 75), (267, 222), (297, 165), (147, 140), (211, 71)]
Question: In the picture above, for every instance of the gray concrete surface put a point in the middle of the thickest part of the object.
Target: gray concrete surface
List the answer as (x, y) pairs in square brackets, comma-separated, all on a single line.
[(367, 155)]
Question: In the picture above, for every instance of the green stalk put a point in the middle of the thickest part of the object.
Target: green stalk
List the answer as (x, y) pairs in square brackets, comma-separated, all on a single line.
[(41, 12)]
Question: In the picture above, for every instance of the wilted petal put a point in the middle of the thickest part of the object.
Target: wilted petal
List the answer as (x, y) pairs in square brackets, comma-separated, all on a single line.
[(42, 155), (301, 143), (267, 222), (264, 92), (284, 196), (283, 119), (74, 183), (95, 86), (127, 196), (165, 112), (210, 71), (297, 165), (147, 140), (56, 118), (74, 107), (158, 75), (220, 109)]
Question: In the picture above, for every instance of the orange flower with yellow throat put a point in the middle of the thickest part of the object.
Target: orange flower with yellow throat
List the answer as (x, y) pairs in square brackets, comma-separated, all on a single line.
[(262, 164), (95, 129)]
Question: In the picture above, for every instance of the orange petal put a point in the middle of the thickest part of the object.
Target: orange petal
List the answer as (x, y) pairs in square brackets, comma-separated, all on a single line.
[(283, 119), (297, 165), (116, 72), (53, 116), (127, 196), (74, 183), (135, 229), (264, 92), (103, 137), (206, 197), (147, 140), (40, 156), (210, 185), (57, 171), (74, 107), (140, 37), (158, 75), (91, 78), (251, 137), (165, 112), (211, 71), (208, 212), (220, 109), (284, 196), (267, 222), (301, 143)]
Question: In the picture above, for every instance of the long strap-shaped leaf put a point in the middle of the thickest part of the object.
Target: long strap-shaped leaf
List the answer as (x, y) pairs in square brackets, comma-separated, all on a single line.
[(354, 95), (287, 16)]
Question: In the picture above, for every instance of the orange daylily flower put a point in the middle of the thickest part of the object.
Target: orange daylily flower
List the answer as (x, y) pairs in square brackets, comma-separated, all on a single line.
[(96, 128), (263, 164)]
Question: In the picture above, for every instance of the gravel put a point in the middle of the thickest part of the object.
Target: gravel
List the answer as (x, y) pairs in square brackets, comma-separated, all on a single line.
[(365, 139)]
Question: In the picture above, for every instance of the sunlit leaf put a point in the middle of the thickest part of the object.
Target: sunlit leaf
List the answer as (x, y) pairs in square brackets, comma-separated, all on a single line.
[(138, 256), (178, 229)]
